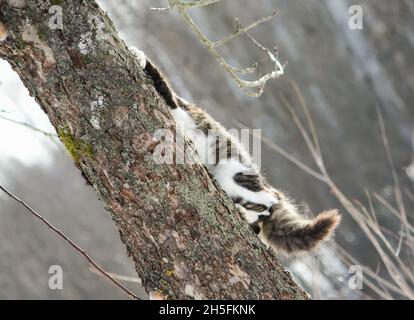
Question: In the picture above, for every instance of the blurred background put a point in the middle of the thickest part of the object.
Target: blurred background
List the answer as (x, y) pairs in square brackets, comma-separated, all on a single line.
[(342, 74)]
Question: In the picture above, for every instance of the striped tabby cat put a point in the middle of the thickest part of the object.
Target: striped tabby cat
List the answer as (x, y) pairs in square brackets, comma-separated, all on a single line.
[(268, 211)]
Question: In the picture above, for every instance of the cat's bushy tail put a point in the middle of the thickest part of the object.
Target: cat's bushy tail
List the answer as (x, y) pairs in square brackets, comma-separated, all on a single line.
[(289, 231)]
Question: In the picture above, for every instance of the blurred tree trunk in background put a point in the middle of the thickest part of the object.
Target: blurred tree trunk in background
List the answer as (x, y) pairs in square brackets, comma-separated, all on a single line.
[(184, 235)]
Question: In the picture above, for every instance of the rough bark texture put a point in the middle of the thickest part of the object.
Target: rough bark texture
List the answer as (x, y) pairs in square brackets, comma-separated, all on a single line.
[(184, 235)]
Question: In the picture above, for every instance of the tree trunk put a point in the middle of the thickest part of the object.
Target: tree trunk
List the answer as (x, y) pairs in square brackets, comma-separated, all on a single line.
[(185, 236)]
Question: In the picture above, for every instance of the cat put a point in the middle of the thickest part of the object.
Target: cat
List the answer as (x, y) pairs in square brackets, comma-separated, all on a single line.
[(270, 213)]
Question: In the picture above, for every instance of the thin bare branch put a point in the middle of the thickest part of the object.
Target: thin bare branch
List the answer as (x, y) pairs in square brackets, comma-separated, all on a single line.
[(253, 88), (248, 70), (391, 209), (397, 187), (240, 29), (371, 206), (70, 242), (316, 154), (305, 109), (119, 277), (187, 4), (285, 154), (199, 3)]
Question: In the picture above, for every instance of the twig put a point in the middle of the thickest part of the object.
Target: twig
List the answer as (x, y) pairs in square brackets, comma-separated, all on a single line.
[(253, 88), (397, 187), (190, 4), (305, 109), (200, 3), (119, 277), (285, 154), (71, 243), (240, 30)]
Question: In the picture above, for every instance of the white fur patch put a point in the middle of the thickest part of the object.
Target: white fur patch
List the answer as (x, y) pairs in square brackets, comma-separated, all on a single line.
[(225, 170), (188, 126), (142, 60), (224, 173), (184, 121)]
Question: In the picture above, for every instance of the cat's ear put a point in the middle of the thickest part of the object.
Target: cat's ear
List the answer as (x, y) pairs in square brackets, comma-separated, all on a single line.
[(142, 60)]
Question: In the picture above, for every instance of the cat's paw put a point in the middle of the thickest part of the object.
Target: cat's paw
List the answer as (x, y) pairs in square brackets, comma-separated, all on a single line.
[(142, 60)]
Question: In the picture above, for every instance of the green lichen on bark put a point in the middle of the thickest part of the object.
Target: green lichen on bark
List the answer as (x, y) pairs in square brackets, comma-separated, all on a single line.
[(76, 147)]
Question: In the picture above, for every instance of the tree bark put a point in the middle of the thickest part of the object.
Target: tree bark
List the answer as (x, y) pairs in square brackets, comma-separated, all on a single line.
[(184, 234)]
